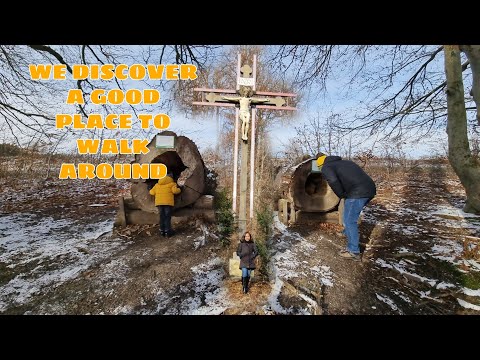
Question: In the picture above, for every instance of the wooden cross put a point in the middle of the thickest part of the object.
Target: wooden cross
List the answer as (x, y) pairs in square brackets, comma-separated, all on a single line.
[(245, 105)]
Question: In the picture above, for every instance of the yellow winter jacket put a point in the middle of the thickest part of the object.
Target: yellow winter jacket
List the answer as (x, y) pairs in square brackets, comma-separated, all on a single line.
[(164, 191)]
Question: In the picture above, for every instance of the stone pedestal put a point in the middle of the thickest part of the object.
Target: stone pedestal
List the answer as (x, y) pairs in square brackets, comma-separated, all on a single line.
[(233, 265)]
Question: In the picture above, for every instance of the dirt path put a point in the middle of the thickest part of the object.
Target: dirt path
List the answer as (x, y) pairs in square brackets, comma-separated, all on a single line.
[(58, 255), (414, 261)]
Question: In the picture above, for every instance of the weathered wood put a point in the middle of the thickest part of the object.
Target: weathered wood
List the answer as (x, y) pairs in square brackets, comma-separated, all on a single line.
[(242, 211), (184, 161)]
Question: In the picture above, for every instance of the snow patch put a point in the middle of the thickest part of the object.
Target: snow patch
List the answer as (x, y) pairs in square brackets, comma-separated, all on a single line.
[(452, 211), (278, 224), (446, 250), (273, 298), (389, 302), (399, 267), (44, 253), (471, 292), (444, 285), (402, 296), (295, 257), (204, 295), (205, 279), (468, 305)]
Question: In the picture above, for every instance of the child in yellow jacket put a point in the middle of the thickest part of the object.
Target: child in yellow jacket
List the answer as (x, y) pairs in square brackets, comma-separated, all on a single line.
[(164, 201)]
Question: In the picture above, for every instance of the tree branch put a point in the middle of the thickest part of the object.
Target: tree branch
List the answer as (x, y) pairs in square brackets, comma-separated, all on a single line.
[(59, 57)]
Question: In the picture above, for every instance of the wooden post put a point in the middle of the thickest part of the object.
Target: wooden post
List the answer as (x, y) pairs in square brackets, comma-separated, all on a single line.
[(217, 118), (235, 165), (239, 61), (242, 214), (252, 161), (254, 73)]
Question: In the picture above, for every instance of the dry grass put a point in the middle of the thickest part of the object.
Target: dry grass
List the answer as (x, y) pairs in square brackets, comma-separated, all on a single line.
[(250, 303), (471, 248)]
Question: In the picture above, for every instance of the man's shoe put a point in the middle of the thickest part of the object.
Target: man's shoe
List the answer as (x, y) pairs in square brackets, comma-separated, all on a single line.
[(169, 233), (348, 255)]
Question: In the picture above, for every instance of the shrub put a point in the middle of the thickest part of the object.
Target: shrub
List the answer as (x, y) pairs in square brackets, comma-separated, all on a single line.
[(264, 231), (224, 215), (9, 150), (265, 221)]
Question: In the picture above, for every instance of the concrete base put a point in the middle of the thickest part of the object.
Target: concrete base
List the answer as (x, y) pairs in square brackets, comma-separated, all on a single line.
[(145, 217), (129, 213), (306, 217), (233, 267), (289, 216)]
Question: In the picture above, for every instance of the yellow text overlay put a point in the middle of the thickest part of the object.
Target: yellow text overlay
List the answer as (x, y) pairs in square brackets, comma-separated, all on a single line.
[(107, 171)]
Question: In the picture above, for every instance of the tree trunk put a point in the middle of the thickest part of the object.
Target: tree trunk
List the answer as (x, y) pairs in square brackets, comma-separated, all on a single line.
[(473, 55), (184, 161), (309, 191), (459, 154)]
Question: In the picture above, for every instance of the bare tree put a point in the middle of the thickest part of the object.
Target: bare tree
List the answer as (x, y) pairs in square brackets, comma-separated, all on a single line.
[(459, 153), (28, 107), (324, 134), (403, 90)]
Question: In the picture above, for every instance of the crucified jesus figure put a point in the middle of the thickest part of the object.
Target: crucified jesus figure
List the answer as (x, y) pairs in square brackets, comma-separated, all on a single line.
[(245, 100)]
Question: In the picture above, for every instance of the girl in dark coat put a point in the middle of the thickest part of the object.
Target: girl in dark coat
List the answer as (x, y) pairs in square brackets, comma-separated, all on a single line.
[(247, 251)]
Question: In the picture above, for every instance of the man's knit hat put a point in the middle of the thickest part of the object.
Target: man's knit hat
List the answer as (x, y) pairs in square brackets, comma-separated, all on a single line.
[(321, 160)]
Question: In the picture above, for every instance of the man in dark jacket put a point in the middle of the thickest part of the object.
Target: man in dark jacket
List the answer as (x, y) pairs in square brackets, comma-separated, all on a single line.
[(350, 182)]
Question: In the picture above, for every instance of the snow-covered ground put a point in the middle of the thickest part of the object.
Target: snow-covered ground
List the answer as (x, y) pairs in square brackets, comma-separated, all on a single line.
[(204, 295), (295, 257), (441, 227), (41, 253)]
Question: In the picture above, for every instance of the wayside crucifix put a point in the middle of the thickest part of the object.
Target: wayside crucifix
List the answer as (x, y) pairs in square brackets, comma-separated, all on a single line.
[(246, 104)]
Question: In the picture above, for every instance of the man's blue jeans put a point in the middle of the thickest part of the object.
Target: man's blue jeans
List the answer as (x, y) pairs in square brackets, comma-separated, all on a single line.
[(246, 272), (351, 213)]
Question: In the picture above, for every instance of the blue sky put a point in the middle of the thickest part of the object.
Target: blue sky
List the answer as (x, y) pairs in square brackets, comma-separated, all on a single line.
[(337, 99), (203, 132)]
